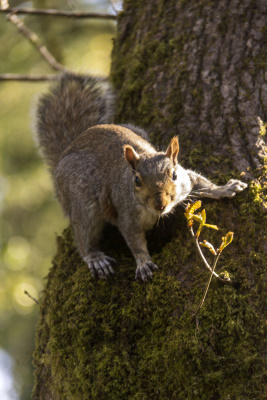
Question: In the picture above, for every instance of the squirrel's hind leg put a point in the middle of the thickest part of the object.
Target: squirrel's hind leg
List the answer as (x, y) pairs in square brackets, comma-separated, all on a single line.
[(88, 224)]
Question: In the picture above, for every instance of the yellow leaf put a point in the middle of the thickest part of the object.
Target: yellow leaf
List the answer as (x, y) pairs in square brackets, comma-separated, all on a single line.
[(197, 218), (189, 211), (191, 208), (226, 240), (200, 217), (263, 127), (208, 246), (212, 226), (225, 275)]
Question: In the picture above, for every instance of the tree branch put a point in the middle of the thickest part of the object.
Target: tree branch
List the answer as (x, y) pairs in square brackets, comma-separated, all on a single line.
[(56, 13), (33, 38), (27, 77), (28, 294), (113, 6)]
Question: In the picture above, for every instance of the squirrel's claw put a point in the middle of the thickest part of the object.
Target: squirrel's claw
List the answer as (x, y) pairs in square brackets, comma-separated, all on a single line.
[(100, 265), (144, 271)]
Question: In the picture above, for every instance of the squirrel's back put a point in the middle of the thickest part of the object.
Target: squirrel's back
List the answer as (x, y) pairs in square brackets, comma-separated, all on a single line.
[(74, 104)]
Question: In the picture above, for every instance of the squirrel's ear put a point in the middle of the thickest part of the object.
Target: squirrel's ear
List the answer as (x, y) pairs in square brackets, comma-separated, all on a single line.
[(173, 150), (131, 156)]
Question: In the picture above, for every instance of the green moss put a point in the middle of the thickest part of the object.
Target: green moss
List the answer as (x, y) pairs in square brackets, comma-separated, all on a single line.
[(121, 339)]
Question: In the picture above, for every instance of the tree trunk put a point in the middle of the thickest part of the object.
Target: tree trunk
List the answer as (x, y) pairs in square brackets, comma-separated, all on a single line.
[(197, 69)]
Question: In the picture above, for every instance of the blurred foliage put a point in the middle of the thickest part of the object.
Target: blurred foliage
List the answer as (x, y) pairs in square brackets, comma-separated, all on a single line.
[(29, 214)]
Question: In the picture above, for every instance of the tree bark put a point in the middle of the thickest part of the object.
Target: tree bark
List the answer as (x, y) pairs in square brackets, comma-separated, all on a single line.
[(197, 69)]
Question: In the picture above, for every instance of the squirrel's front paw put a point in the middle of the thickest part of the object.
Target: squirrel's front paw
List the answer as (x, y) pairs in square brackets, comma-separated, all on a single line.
[(144, 270), (100, 264), (232, 187)]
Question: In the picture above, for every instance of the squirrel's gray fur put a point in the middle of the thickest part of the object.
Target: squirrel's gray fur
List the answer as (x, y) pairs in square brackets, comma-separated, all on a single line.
[(110, 173), (74, 103)]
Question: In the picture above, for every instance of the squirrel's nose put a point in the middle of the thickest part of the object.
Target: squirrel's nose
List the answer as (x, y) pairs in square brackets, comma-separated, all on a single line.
[(160, 207), (160, 202)]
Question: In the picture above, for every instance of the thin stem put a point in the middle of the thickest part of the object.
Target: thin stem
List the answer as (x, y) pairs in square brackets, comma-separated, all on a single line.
[(28, 294), (204, 259), (113, 6), (56, 13), (207, 287)]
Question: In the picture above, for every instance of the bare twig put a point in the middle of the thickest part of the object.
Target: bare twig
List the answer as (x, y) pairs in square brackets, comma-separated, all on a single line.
[(28, 294), (33, 38), (113, 6), (56, 13), (28, 78), (72, 5)]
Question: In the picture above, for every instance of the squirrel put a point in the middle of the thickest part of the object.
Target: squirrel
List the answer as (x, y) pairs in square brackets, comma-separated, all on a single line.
[(104, 172)]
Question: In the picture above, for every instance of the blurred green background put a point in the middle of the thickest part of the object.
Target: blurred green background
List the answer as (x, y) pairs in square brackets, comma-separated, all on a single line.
[(30, 217)]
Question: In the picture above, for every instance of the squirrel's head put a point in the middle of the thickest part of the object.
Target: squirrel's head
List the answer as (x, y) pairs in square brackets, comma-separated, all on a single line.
[(156, 178)]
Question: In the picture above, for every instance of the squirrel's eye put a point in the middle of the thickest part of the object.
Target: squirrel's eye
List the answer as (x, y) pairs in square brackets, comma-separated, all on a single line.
[(137, 181), (174, 176)]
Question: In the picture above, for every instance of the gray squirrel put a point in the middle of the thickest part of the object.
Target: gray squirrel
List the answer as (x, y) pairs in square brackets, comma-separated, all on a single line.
[(104, 172)]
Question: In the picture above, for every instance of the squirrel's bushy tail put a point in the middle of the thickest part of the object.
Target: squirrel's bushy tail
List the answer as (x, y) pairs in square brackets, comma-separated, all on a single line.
[(74, 103)]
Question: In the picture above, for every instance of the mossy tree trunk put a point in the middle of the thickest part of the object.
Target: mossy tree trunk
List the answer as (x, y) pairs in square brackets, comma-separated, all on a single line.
[(197, 69)]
